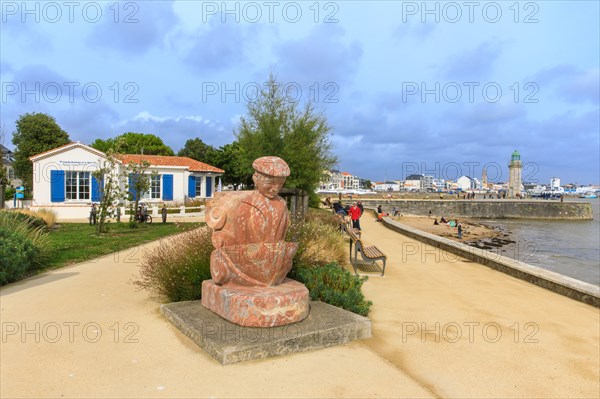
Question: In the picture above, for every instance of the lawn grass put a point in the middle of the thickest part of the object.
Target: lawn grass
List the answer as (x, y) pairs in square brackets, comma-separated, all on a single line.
[(76, 242)]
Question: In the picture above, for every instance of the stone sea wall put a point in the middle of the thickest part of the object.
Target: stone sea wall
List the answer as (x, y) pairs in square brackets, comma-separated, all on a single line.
[(488, 209)]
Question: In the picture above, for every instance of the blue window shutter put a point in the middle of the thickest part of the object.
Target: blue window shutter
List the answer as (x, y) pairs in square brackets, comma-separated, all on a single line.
[(132, 181), (208, 186), (57, 185), (192, 186), (97, 188), (167, 187)]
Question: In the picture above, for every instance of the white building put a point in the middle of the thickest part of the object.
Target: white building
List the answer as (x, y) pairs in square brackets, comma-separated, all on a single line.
[(465, 183), (332, 180), (418, 182), (350, 182), (555, 184), (442, 184), (63, 181), (390, 185)]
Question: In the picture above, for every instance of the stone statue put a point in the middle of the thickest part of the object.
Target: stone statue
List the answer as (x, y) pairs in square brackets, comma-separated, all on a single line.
[(251, 258)]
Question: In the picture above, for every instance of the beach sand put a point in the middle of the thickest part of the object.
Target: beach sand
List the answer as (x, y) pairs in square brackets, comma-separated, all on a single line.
[(475, 232)]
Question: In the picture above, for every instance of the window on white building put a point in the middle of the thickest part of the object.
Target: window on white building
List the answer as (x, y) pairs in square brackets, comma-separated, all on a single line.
[(77, 185), (154, 192), (198, 186), (155, 187)]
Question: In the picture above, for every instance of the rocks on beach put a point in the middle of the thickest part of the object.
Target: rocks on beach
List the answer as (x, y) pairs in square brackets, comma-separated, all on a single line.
[(475, 233)]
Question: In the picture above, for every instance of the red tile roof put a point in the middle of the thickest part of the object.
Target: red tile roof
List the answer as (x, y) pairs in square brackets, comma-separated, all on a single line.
[(162, 160)]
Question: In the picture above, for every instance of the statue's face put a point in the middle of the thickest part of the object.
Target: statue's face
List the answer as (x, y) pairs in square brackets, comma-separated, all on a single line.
[(269, 186)]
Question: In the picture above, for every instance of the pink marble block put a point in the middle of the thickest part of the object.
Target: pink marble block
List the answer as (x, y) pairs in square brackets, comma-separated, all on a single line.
[(257, 306)]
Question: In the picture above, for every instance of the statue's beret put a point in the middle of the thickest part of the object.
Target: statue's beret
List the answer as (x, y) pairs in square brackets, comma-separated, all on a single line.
[(271, 166)]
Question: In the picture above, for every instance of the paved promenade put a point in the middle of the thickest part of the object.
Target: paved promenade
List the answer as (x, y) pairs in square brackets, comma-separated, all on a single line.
[(442, 327)]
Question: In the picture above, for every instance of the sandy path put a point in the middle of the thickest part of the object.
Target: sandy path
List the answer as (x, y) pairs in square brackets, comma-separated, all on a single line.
[(554, 356)]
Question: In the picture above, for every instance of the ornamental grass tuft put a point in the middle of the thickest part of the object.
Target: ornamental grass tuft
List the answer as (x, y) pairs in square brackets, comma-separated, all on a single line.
[(176, 268), (320, 242)]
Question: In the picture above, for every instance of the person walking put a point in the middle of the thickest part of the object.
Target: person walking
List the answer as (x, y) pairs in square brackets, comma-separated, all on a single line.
[(163, 212), (355, 214), (93, 215), (460, 230)]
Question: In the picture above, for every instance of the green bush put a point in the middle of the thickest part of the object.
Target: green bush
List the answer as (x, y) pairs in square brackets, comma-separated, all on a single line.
[(314, 201), (336, 286), (177, 267), (9, 193), (16, 256), (19, 255)]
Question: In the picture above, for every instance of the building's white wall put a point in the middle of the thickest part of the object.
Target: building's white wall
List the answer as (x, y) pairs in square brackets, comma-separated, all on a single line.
[(75, 159), (468, 183), (412, 184)]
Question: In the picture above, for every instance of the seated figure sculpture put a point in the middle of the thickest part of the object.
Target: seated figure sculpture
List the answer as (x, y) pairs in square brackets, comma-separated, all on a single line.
[(251, 257)]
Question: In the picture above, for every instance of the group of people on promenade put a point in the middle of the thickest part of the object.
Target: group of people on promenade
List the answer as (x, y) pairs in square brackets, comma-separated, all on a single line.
[(354, 211)]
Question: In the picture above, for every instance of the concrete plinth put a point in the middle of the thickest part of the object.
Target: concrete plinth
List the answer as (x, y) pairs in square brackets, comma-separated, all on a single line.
[(257, 306), (229, 343)]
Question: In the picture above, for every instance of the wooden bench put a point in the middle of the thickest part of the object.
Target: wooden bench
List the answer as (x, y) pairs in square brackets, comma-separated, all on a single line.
[(346, 226), (369, 254)]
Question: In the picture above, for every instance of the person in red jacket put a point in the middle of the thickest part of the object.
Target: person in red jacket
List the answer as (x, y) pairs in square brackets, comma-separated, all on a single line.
[(355, 214)]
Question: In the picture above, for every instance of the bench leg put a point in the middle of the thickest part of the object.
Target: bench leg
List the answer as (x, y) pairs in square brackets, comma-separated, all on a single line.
[(383, 271), (355, 264)]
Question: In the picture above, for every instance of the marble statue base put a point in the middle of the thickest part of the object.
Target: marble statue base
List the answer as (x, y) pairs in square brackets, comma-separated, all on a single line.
[(248, 306)]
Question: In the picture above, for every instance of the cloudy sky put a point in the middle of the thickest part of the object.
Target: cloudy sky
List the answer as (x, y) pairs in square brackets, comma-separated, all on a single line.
[(442, 88)]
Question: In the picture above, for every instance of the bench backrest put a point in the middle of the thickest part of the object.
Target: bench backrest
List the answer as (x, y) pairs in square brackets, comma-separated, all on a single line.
[(353, 236)]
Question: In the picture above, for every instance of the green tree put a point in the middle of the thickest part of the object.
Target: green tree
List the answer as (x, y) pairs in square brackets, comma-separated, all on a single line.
[(139, 183), (275, 126), (198, 150), (36, 133), (230, 158), (367, 184), (134, 143), (110, 191)]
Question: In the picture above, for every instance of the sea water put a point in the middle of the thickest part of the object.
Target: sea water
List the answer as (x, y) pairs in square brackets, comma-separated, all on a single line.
[(568, 247)]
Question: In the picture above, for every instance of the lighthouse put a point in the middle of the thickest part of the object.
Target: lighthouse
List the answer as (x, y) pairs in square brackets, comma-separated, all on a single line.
[(514, 175)]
